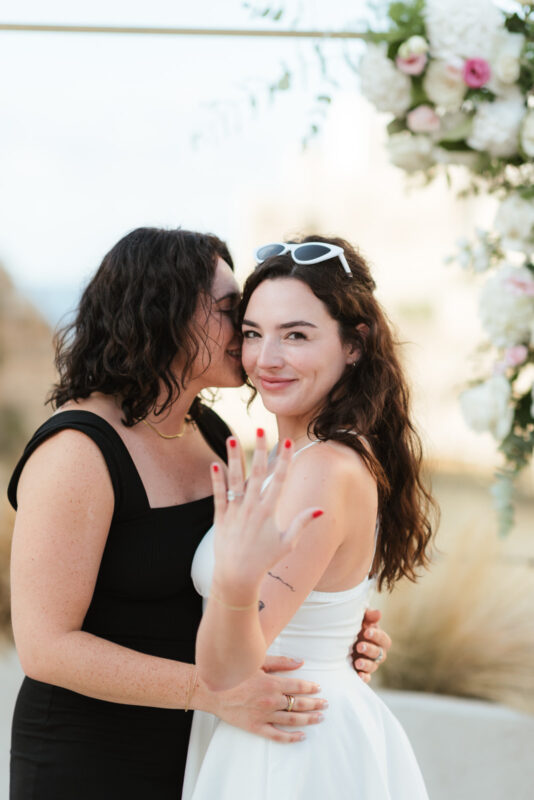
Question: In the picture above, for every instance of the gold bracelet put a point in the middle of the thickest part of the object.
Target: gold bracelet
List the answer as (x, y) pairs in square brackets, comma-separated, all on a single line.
[(191, 688), (233, 608)]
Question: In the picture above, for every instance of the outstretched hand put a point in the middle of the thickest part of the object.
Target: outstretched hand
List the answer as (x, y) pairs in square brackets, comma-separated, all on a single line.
[(248, 542)]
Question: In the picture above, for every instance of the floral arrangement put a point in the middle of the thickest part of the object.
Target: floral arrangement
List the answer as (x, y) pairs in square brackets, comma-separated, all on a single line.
[(458, 78)]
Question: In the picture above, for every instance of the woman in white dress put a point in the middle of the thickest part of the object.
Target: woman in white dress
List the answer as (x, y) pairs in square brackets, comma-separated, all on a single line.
[(350, 511)]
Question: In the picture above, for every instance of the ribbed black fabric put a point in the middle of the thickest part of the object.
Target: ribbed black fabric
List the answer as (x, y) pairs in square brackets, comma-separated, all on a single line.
[(66, 746)]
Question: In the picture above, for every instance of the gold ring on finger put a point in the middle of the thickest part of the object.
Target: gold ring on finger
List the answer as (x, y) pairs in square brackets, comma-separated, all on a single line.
[(290, 702)]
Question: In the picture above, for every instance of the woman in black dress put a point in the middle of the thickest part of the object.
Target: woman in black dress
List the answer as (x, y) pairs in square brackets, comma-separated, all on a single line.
[(113, 495)]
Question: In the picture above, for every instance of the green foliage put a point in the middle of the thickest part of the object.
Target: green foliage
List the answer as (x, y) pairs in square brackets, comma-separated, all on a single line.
[(403, 20), (480, 95), (397, 125), (526, 75), (523, 416), (456, 146), (418, 93)]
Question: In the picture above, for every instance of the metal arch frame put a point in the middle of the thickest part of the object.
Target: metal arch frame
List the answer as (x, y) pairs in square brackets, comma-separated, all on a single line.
[(156, 31)]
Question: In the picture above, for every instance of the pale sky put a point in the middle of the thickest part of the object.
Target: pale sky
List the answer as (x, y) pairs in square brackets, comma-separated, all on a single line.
[(96, 134)]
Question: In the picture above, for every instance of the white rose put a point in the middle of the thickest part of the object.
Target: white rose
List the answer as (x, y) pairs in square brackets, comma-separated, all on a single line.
[(410, 152), (514, 222), (462, 28), (444, 85), (527, 134), (387, 88), (487, 407), (504, 61), (496, 125), (414, 46), (506, 311)]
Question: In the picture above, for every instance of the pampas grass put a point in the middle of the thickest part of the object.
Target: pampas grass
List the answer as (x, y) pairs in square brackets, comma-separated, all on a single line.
[(467, 628)]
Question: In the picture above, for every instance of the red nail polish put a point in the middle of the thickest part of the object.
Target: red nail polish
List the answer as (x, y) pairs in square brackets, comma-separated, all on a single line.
[(287, 444), (215, 467), (260, 433), (233, 443), (317, 513)]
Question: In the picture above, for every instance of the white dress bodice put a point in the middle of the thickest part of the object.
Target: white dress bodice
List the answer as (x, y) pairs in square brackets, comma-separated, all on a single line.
[(322, 630)]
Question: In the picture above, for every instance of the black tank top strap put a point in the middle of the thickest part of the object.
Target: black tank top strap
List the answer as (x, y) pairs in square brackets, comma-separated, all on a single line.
[(127, 487)]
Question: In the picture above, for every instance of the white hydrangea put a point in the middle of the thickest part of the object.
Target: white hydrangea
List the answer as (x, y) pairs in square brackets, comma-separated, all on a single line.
[(506, 311), (444, 84), (496, 126), (527, 134), (462, 28), (487, 407), (382, 83), (514, 222), (410, 152)]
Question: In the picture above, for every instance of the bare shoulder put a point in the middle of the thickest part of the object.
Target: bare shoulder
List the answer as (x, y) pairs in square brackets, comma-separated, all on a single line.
[(331, 463), (67, 462)]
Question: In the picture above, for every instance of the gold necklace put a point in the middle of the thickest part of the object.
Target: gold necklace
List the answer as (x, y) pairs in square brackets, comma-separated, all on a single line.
[(167, 435)]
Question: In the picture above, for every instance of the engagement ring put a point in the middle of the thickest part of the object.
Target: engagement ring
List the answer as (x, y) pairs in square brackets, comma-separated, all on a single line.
[(231, 495)]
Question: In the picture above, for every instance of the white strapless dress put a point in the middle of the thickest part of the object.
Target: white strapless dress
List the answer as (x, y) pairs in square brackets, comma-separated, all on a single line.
[(358, 752)]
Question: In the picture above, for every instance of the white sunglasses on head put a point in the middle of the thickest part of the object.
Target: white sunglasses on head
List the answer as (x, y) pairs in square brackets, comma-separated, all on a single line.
[(305, 253)]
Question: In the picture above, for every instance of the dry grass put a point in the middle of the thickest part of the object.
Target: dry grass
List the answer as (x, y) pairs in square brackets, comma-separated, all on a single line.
[(466, 628)]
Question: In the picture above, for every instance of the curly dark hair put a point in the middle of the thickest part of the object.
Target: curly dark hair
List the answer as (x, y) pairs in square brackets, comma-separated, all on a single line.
[(135, 317), (372, 398)]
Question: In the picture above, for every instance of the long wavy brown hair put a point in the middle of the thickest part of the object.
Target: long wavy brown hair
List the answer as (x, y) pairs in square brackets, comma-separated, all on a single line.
[(135, 317), (371, 398)]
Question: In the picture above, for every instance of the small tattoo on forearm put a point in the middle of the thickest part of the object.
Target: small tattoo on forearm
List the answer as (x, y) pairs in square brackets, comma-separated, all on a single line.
[(261, 605), (278, 578)]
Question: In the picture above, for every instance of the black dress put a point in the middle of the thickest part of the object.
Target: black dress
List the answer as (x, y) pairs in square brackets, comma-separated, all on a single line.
[(67, 746)]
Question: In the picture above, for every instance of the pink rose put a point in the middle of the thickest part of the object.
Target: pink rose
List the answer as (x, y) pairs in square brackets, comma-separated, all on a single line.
[(476, 72), (423, 119), (412, 65), (514, 356)]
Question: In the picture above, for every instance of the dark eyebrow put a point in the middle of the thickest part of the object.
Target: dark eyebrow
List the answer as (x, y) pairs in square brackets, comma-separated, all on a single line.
[(298, 323), (228, 296)]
